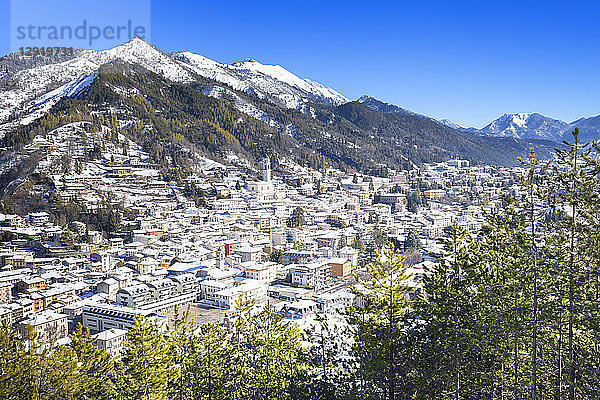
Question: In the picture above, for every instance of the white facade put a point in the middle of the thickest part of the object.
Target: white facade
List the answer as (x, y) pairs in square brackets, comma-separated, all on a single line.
[(111, 340), (264, 272), (100, 317), (247, 291)]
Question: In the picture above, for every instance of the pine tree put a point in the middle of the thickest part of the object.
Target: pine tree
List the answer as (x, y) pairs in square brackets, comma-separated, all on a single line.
[(206, 361), (13, 377), (147, 365), (379, 337), (412, 241), (268, 354), (52, 371), (297, 218), (96, 367), (66, 238)]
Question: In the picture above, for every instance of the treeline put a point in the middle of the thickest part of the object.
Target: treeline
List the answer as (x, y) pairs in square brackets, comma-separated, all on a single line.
[(259, 358), (513, 312)]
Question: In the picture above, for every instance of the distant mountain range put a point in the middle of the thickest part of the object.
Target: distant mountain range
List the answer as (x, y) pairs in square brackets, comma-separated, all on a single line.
[(380, 106), (517, 125), (535, 126)]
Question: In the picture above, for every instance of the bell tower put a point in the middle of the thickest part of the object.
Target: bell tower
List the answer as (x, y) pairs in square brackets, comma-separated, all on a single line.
[(266, 169)]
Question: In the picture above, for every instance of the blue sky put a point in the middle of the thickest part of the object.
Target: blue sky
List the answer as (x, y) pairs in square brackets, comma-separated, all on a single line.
[(461, 60)]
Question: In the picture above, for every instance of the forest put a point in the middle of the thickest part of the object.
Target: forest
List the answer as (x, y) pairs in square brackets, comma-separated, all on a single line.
[(508, 313)]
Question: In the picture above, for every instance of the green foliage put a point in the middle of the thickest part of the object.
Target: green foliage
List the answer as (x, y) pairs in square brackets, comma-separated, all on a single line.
[(96, 368), (147, 365), (378, 327), (358, 243), (412, 242), (30, 369), (276, 256), (415, 201), (297, 218), (268, 357), (66, 238)]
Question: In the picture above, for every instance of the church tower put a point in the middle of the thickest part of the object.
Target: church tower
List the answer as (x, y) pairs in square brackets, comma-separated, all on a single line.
[(266, 169)]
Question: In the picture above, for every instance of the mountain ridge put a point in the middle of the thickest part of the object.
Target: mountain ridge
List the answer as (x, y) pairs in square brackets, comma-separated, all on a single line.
[(535, 125), (257, 110)]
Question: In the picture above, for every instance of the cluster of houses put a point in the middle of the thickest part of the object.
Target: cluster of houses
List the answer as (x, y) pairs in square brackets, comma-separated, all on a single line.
[(173, 255)]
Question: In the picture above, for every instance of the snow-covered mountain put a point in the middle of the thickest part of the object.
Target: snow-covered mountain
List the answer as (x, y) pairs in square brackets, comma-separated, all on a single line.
[(29, 90), (271, 81), (589, 128), (527, 125), (534, 125), (29, 93), (517, 125)]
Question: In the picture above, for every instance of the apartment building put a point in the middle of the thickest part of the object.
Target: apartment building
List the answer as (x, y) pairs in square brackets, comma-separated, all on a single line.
[(48, 325)]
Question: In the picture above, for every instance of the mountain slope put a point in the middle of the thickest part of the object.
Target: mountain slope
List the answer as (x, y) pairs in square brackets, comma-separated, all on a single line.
[(429, 140), (534, 125), (378, 105), (589, 129), (272, 81), (24, 88)]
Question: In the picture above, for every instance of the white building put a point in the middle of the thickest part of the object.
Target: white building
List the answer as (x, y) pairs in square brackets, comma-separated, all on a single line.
[(264, 190), (100, 317), (264, 272), (248, 290), (48, 325), (313, 274), (134, 295), (111, 340), (247, 253)]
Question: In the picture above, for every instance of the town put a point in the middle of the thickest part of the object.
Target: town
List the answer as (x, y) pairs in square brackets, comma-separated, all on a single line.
[(281, 234)]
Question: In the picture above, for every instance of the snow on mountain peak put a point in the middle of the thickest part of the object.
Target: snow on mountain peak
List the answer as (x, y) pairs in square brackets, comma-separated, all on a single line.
[(272, 81), (526, 125), (29, 86)]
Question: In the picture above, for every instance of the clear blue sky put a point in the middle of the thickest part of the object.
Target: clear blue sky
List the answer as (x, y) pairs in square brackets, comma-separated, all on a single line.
[(462, 60)]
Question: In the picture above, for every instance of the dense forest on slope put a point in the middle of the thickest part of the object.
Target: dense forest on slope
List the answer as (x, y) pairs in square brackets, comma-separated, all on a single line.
[(425, 139), (509, 313)]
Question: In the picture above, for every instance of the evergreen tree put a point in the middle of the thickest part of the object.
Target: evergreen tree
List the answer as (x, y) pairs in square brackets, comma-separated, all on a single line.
[(268, 355), (412, 242), (96, 376), (358, 243), (297, 218), (66, 238), (379, 337), (13, 371), (147, 364)]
